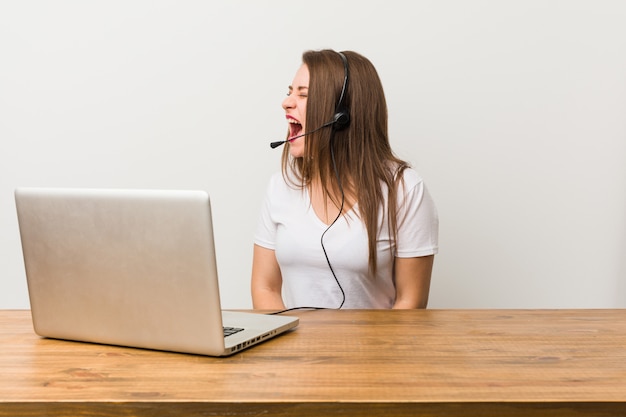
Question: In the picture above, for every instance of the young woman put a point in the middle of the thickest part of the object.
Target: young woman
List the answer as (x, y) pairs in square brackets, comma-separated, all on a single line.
[(346, 224)]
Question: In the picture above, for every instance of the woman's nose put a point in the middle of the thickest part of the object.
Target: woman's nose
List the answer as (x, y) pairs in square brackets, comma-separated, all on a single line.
[(288, 102)]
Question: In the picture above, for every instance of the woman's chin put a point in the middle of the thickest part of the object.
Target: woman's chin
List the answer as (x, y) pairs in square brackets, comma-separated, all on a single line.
[(296, 148)]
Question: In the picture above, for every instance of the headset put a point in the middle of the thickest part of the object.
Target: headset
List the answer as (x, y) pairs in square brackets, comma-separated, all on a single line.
[(341, 119)]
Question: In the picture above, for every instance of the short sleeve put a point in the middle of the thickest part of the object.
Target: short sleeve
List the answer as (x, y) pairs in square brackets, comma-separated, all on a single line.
[(265, 234), (417, 219)]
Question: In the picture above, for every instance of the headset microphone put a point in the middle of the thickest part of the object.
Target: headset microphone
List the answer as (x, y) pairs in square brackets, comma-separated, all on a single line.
[(277, 144)]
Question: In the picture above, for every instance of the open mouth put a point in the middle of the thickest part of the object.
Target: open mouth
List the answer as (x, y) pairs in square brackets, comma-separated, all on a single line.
[(295, 128)]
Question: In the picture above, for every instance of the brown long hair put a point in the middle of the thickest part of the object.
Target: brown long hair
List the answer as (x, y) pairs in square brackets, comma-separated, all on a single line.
[(364, 159)]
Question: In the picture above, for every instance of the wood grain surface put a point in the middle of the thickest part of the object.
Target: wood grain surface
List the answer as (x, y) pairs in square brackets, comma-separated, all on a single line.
[(349, 362)]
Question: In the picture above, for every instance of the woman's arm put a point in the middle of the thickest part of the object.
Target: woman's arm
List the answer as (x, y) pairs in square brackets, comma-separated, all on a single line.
[(266, 280), (412, 277)]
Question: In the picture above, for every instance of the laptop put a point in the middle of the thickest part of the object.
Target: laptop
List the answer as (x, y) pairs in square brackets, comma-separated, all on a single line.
[(132, 268)]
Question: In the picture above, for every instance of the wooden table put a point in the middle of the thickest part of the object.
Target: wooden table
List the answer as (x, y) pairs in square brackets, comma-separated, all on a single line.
[(391, 363)]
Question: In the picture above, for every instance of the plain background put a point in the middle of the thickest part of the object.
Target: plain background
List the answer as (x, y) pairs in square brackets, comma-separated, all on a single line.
[(514, 112)]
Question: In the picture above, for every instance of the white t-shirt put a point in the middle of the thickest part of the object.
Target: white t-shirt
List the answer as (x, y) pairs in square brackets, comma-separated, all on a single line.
[(289, 226)]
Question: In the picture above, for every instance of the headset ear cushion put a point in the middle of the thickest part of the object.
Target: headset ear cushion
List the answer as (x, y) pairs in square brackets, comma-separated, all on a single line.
[(341, 120)]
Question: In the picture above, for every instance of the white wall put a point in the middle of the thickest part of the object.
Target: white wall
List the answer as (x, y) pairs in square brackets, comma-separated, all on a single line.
[(513, 111)]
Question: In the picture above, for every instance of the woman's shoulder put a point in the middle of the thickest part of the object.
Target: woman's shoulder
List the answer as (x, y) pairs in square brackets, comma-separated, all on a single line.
[(279, 184), (409, 178), (276, 178)]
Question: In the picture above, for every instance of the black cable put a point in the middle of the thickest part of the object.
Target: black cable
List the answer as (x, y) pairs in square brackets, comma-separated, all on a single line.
[(343, 293), (332, 156), (296, 308)]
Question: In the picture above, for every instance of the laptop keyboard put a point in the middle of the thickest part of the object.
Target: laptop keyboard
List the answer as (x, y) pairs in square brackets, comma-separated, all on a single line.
[(231, 330)]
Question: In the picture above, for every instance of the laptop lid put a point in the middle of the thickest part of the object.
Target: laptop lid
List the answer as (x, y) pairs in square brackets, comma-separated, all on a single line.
[(130, 267)]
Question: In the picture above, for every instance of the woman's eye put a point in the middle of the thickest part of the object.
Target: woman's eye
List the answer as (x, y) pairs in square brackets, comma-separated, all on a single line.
[(301, 95)]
